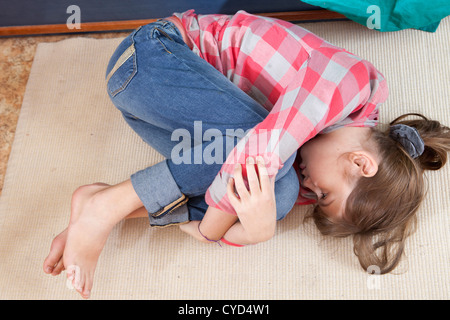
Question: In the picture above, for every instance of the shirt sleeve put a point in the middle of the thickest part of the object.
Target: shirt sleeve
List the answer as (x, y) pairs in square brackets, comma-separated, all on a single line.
[(332, 88)]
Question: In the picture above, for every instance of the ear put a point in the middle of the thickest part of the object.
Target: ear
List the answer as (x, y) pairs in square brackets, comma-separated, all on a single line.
[(363, 163)]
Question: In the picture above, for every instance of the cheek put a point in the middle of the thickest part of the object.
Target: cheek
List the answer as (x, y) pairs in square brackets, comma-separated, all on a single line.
[(327, 174), (323, 177)]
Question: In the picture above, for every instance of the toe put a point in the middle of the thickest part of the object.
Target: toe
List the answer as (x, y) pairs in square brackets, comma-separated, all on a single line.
[(84, 286), (51, 261), (85, 293), (79, 284), (58, 268), (56, 253), (87, 288)]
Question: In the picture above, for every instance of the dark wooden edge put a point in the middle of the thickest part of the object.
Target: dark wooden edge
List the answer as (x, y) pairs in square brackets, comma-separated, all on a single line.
[(311, 15)]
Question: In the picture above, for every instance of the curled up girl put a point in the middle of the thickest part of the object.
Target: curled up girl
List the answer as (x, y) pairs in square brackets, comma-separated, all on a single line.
[(308, 114)]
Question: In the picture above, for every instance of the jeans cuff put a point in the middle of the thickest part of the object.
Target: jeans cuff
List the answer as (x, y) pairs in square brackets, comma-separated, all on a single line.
[(161, 196)]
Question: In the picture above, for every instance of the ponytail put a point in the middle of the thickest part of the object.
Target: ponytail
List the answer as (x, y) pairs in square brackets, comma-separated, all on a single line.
[(435, 137)]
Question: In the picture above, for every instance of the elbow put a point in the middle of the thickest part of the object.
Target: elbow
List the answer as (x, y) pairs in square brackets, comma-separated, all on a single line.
[(261, 236)]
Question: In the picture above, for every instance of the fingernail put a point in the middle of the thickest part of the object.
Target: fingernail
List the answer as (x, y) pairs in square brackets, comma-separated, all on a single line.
[(260, 159), (250, 160)]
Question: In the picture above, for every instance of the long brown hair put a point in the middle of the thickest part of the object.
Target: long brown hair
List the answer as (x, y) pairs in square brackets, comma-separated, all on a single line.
[(380, 212)]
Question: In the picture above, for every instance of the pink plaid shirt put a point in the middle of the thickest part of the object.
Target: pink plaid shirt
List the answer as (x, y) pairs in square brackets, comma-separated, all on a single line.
[(308, 85)]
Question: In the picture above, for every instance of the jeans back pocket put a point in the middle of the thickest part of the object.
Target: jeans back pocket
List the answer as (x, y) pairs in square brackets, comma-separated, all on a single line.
[(124, 69)]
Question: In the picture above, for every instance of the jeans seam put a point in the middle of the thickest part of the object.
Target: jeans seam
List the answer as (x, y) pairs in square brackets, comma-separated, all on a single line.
[(165, 35), (164, 47), (122, 87)]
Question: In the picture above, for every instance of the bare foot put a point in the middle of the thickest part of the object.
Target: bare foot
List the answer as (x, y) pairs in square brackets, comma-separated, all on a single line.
[(87, 233), (53, 264), (96, 209)]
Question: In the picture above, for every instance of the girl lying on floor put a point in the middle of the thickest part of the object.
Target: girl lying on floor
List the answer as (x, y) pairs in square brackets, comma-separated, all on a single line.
[(304, 113)]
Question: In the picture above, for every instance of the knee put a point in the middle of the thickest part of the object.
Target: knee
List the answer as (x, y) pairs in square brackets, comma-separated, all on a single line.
[(286, 193)]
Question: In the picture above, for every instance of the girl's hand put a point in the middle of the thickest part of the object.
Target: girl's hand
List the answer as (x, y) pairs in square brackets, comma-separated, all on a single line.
[(255, 206)]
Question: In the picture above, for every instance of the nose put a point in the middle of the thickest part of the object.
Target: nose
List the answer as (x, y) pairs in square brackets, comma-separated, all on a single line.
[(302, 172), (306, 181), (305, 178)]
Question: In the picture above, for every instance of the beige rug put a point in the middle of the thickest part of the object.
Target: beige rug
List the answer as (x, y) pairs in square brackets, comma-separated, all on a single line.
[(70, 134)]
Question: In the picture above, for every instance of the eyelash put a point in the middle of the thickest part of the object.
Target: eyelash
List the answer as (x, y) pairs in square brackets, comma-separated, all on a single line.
[(323, 196)]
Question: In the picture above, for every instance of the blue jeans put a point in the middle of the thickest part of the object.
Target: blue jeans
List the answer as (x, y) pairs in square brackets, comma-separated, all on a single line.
[(162, 87)]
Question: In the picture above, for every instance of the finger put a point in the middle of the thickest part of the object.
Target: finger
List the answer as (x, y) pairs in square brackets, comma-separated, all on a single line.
[(264, 179), (252, 176), (239, 182), (234, 200)]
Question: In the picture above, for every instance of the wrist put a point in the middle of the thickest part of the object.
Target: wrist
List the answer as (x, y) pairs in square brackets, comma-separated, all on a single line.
[(231, 243), (207, 240)]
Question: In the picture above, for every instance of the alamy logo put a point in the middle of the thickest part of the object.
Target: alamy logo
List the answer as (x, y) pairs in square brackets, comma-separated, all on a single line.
[(74, 20), (193, 149), (374, 280), (374, 20)]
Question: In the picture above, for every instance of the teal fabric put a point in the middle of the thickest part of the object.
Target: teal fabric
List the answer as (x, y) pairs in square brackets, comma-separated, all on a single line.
[(391, 15)]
